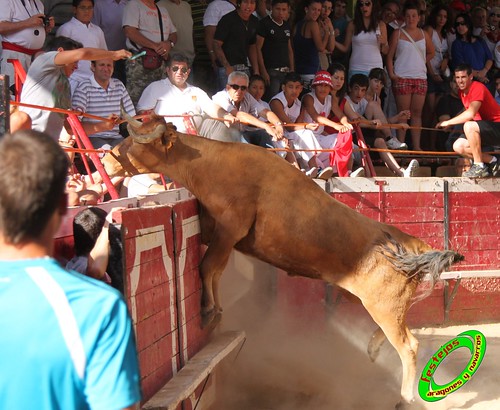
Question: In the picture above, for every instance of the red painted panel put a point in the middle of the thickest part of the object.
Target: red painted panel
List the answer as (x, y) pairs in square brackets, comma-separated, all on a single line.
[(474, 199), (153, 329), (413, 214), (134, 219), (413, 199)]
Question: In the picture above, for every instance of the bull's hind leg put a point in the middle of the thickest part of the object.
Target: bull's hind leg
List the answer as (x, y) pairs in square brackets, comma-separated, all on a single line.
[(398, 334)]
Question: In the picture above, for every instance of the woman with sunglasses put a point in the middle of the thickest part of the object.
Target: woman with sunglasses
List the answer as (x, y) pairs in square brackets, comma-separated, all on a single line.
[(471, 50), (80, 29), (410, 50), (308, 42), (366, 35)]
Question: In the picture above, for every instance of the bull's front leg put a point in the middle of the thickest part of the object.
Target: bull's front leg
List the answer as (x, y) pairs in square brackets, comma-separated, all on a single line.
[(211, 267)]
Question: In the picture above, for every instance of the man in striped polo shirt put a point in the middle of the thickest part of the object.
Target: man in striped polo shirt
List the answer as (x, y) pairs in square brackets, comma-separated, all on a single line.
[(101, 95)]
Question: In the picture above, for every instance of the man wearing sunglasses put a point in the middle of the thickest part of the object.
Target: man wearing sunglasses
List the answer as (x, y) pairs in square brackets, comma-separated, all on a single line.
[(174, 96), (236, 100)]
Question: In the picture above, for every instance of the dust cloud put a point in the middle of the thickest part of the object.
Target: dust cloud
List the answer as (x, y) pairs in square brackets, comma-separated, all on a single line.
[(304, 361)]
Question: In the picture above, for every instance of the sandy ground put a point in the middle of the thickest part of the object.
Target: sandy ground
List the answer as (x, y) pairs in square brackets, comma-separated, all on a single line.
[(286, 365)]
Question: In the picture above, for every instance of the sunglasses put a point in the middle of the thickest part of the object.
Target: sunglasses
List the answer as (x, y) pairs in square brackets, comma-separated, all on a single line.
[(365, 3), (496, 15), (236, 87), (460, 23), (176, 68)]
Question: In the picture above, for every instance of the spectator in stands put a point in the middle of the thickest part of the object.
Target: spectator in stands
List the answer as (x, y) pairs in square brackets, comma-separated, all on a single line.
[(215, 11), (308, 43), (450, 105), (108, 16), (175, 96), (481, 120), (373, 122), (180, 13), (102, 96), (237, 101), (340, 20), (410, 50), (287, 107), (274, 47), (47, 81), (326, 30), (390, 16), (81, 29), (438, 71), (470, 49), (367, 37), (497, 87), (316, 107), (71, 342), (490, 32), (234, 41), (23, 31), (146, 25), (479, 17), (91, 236)]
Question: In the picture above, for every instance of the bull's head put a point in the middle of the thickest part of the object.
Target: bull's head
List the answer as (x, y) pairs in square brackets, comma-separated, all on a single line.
[(148, 131), (146, 149)]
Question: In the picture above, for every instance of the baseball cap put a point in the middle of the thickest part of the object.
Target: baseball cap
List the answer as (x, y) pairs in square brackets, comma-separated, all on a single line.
[(322, 77)]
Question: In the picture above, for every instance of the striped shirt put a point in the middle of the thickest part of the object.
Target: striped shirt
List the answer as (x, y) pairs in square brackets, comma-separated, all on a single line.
[(89, 97)]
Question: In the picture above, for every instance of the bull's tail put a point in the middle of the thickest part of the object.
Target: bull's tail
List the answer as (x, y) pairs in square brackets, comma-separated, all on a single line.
[(424, 267)]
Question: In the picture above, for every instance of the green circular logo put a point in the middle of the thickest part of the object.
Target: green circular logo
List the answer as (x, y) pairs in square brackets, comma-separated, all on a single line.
[(471, 339)]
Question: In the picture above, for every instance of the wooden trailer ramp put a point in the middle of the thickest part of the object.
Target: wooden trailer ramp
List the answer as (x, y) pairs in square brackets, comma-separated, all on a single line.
[(196, 370)]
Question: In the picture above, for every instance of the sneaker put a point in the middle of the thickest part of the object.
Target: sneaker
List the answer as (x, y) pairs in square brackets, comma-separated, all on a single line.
[(360, 172), (411, 169), (477, 171), (325, 173), (494, 168), (394, 143), (312, 173)]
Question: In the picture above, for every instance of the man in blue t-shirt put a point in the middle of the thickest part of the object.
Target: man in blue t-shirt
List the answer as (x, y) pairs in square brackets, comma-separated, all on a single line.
[(67, 340)]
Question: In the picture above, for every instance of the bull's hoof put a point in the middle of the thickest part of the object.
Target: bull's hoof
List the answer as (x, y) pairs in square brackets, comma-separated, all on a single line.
[(210, 319)]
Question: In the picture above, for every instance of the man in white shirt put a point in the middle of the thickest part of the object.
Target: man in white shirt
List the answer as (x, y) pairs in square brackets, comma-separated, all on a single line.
[(174, 96), (236, 100)]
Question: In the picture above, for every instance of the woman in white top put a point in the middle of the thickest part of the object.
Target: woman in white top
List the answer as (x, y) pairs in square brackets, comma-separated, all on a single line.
[(366, 34), (79, 28), (409, 51)]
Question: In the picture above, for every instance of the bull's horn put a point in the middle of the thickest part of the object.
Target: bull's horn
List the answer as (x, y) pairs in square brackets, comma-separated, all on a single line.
[(146, 138), (131, 120)]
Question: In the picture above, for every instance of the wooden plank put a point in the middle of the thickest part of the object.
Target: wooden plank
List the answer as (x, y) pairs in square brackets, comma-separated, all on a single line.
[(194, 372), (471, 274)]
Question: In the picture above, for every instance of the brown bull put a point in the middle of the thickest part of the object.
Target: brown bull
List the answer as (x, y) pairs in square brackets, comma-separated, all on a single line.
[(255, 202)]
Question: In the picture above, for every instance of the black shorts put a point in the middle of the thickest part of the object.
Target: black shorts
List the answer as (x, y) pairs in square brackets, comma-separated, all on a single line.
[(490, 132)]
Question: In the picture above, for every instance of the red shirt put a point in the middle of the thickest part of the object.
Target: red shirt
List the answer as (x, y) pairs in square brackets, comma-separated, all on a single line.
[(490, 110)]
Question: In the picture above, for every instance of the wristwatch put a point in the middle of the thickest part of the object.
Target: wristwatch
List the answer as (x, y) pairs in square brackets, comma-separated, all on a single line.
[(172, 44)]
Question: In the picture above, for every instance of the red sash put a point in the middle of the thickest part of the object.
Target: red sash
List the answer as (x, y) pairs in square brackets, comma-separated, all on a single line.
[(19, 49)]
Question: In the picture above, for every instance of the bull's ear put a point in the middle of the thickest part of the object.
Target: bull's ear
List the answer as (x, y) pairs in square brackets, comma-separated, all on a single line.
[(170, 136)]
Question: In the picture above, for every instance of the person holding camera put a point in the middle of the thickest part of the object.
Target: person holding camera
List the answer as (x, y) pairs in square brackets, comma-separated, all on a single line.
[(23, 28)]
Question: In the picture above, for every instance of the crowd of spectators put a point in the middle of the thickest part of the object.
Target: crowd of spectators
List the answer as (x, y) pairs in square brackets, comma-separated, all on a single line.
[(199, 58)]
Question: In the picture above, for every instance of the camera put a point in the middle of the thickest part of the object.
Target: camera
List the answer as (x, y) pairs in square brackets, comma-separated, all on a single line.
[(46, 21)]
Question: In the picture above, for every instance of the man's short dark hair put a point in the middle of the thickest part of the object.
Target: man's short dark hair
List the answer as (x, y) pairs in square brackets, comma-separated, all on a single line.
[(65, 43), (87, 225), (32, 183), (463, 67), (292, 77), (360, 80), (179, 57), (274, 2)]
